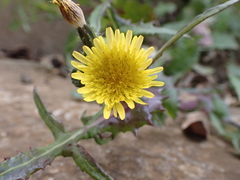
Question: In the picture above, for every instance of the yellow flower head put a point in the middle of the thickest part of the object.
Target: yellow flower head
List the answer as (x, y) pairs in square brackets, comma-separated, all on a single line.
[(115, 71)]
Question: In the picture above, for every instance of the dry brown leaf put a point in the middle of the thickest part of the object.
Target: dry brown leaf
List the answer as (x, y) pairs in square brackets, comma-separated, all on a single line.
[(196, 125)]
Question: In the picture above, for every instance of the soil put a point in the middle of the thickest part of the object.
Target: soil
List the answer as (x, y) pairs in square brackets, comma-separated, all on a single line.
[(157, 153)]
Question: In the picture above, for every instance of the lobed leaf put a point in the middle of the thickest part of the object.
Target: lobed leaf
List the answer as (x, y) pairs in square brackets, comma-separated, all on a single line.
[(85, 162), (135, 118), (52, 123), (24, 164)]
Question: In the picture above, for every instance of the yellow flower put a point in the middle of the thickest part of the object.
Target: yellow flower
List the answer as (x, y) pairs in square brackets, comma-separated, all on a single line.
[(115, 71)]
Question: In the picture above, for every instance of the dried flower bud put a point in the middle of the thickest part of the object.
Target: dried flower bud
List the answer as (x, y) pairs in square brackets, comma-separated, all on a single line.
[(71, 12)]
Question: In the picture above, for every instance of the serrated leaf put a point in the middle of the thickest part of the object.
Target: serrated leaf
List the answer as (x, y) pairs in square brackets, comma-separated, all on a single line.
[(52, 123), (24, 164), (135, 118), (96, 16), (87, 164), (148, 29), (158, 118), (234, 77)]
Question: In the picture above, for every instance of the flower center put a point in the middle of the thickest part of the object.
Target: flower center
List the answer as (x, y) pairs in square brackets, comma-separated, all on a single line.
[(118, 77)]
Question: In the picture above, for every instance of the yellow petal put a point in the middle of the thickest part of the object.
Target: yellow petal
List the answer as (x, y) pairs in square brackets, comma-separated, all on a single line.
[(147, 94), (89, 99), (109, 36), (120, 110), (117, 35), (146, 64), (80, 57), (128, 39), (77, 75), (98, 42), (149, 51), (139, 43), (77, 65), (114, 111), (130, 103), (133, 43), (106, 112), (157, 83), (139, 101), (154, 70), (83, 90)]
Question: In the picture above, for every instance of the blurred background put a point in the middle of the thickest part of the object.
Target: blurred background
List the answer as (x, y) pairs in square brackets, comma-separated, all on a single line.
[(39, 27)]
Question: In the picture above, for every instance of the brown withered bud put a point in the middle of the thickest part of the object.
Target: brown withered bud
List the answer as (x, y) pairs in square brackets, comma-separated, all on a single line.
[(71, 12)]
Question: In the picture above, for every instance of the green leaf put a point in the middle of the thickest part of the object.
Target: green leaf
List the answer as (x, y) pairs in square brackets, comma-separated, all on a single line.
[(134, 10), (234, 77), (164, 8), (15, 24), (158, 118), (236, 140), (224, 41), (217, 123), (220, 109), (135, 118), (5, 2), (172, 102), (87, 164), (52, 123), (24, 164), (148, 29), (96, 16), (184, 56), (203, 70), (24, 18), (198, 19)]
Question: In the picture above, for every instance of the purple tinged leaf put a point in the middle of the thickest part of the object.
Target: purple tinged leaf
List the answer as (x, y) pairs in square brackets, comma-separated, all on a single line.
[(24, 164), (189, 105), (86, 162), (135, 118)]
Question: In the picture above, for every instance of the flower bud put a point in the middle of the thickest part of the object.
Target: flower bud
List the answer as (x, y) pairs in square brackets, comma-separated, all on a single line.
[(71, 12)]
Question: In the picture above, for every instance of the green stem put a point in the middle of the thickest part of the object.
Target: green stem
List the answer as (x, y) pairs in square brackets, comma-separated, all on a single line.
[(87, 35), (198, 19)]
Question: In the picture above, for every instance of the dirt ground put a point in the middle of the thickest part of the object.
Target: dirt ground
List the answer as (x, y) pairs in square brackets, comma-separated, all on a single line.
[(158, 153)]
